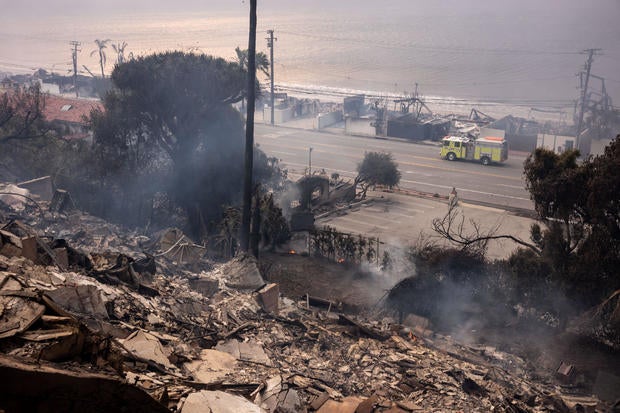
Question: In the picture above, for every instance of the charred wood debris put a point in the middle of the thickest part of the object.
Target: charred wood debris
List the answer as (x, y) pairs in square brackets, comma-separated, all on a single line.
[(97, 318)]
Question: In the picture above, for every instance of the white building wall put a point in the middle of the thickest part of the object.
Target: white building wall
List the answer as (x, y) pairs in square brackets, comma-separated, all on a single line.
[(280, 116), (323, 120), (556, 143), (360, 127)]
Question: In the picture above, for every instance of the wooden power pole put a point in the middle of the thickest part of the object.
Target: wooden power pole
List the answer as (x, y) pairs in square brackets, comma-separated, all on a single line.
[(74, 52), (270, 41), (584, 93), (249, 134)]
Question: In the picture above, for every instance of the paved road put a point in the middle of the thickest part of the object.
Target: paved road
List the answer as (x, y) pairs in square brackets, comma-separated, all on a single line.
[(421, 167)]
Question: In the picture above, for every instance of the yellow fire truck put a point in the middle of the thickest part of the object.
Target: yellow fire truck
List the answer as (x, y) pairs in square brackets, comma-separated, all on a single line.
[(486, 150)]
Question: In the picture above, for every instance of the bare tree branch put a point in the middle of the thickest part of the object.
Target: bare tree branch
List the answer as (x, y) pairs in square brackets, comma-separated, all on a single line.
[(452, 228)]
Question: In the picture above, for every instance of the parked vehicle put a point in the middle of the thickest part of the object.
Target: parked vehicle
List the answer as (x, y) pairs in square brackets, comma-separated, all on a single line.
[(485, 150)]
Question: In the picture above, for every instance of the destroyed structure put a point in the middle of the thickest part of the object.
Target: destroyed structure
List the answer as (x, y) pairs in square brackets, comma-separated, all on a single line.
[(96, 318)]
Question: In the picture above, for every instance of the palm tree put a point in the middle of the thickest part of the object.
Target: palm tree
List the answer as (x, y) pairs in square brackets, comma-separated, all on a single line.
[(262, 62), (101, 44), (120, 52)]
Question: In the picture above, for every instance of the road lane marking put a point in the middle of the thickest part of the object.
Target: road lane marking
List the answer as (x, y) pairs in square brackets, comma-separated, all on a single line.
[(419, 183), (511, 186), (282, 153), (467, 190), (402, 162)]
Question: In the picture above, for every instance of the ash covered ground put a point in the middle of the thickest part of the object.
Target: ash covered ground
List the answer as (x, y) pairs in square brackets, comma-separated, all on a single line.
[(95, 317)]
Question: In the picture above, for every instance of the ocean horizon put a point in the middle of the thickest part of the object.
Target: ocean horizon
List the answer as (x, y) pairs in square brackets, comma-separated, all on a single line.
[(512, 58)]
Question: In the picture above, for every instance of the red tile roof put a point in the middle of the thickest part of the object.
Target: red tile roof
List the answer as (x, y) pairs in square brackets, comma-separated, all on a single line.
[(68, 109)]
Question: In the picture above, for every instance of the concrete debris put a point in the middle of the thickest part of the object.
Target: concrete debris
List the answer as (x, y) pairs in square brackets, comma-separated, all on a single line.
[(146, 346), (13, 196), (81, 299), (117, 325), (269, 298), (347, 405), (242, 273), (218, 402), (279, 396), (246, 351), (212, 366)]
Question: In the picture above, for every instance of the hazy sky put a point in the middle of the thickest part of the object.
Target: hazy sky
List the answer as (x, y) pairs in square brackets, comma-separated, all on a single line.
[(50, 7), (79, 7)]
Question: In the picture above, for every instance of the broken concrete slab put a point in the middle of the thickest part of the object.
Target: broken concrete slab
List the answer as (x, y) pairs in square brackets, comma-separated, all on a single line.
[(368, 405), (246, 351), (81, 299), (319, 401), (218, 402), (13, 196), (347, 405), (147, 347), (269, 297), (277, 396), (242, 273), (212, 366)]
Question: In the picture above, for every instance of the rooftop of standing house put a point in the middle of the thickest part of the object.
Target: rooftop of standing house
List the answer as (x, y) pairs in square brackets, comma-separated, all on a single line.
[(69, 110)]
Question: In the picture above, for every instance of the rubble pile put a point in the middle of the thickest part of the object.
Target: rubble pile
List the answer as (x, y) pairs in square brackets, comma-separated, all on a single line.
[(94, 318)]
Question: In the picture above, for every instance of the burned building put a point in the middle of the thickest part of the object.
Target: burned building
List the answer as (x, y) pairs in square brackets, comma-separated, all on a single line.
[(409, 126)]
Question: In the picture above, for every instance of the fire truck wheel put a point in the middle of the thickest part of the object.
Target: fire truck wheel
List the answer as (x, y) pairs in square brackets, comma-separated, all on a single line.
[(451, 156), (485, 160)]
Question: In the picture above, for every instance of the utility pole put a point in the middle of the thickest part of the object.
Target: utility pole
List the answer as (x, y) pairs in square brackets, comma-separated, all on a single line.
[(74, 53), (249, 134), (270, 41), (584, 92)]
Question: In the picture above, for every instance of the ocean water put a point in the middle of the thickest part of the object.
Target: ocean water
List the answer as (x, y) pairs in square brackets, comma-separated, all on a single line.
[(499, 56)]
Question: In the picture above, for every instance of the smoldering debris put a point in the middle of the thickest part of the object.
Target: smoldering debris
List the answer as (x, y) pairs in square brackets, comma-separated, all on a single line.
[(115, 324)]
